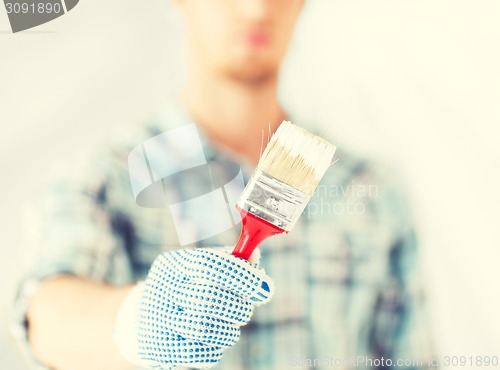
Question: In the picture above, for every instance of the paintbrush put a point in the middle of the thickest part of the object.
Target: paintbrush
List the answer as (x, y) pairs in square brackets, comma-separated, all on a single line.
[(287, 174)]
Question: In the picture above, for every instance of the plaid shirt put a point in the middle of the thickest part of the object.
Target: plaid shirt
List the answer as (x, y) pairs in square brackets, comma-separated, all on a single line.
[(348, 289)]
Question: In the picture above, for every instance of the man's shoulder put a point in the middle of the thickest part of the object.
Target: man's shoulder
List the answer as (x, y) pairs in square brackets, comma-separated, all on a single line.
[(170, 116), (358, 178), (347, 162), (104, 163)]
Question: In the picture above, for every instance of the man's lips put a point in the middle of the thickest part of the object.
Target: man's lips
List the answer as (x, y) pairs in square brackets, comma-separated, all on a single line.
[(256, 38)]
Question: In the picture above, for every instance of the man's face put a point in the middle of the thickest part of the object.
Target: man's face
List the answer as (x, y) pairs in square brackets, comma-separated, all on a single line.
[(242, 39)]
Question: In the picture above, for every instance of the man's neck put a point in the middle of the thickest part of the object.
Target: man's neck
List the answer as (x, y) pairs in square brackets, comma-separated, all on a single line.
[(235, 114)]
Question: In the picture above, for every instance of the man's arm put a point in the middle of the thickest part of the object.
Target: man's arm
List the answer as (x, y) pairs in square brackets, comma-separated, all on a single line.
[(71, 324), (401, 326), (187, 312)]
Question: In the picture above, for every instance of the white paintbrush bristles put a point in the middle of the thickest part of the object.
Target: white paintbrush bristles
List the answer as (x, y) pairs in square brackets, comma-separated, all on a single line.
[(297, 157)]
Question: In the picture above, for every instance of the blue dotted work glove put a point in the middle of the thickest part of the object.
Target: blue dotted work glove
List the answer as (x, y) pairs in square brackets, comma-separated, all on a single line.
[(190, 308)]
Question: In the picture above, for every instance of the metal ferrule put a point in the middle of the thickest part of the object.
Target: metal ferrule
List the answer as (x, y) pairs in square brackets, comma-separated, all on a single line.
[(273, 201)]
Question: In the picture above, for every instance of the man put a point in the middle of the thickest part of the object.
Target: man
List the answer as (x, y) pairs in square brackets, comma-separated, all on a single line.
[(346, 282)]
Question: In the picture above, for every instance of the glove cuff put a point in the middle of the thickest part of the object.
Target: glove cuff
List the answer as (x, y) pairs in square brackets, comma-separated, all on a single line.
[(254, 258), (126, 328)]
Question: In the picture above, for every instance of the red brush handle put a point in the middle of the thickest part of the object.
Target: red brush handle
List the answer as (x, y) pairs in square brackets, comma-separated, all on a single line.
[(254, 230)]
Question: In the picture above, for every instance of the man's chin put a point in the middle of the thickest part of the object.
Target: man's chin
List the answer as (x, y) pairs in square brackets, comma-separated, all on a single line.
[(251, 73)]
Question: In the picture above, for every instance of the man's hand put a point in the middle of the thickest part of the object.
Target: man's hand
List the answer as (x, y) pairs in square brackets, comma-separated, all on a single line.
[(190, 308)]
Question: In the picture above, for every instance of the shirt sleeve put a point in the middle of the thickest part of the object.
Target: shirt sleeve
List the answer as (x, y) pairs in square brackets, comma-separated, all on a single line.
[(71, 232), (401, 329)]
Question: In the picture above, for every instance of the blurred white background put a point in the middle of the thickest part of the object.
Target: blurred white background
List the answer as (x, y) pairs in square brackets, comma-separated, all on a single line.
[(415, 83)]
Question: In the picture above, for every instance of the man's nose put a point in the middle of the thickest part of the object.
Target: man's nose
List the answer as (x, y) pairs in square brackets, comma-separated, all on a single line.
[(256, 10)]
